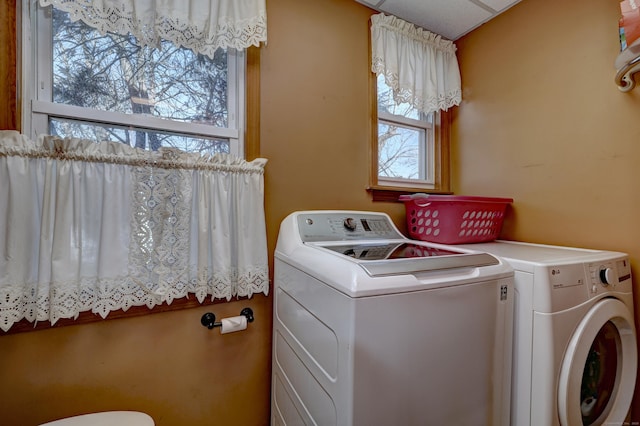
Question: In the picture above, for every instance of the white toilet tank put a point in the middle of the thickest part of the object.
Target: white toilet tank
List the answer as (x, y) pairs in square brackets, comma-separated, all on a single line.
[(107, 418)]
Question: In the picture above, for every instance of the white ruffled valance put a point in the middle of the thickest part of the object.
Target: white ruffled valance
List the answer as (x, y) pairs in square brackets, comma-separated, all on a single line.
[(200, 25), (420, 67), (99, 227)]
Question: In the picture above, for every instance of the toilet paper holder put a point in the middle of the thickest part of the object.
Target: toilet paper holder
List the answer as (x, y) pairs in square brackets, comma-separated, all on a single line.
[(209, 319)]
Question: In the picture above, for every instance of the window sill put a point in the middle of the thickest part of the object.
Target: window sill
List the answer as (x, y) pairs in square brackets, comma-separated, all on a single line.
[(393, 193), (134, 311)]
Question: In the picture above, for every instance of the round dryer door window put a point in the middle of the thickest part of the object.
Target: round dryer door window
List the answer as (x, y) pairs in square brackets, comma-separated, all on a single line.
[(598, 373)]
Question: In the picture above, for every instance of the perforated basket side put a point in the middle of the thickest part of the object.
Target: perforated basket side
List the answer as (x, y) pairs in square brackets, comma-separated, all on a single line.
[(452, 222)]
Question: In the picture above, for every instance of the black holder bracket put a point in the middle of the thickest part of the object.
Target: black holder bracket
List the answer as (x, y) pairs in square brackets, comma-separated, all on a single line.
[(209, 319)]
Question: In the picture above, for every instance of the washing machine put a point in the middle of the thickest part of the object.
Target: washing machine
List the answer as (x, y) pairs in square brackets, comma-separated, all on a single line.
[(371, 328), (575, 355)]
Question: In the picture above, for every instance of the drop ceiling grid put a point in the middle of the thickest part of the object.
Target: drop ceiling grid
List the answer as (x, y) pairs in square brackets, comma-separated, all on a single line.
[(450, 18), (500, 5)]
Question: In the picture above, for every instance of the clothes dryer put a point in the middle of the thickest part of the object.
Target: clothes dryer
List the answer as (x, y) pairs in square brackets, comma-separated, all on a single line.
[(575, 355)]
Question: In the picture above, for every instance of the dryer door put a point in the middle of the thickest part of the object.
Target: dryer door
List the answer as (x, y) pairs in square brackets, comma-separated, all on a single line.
[(598, 372)]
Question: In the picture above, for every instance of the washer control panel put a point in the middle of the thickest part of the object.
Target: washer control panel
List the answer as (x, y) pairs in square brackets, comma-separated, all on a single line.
[(341, 226)]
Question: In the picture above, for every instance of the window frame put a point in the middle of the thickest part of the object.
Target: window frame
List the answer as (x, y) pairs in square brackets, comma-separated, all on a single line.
[(426, 148), (38, 106), (391, 189)]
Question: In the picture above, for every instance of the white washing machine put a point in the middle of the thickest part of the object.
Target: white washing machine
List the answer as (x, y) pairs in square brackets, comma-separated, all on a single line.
[(371, 328), (575, 355)]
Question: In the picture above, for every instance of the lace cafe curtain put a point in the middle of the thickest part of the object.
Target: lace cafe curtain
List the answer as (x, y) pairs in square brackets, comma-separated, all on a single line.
[(99, 227), (199, 25), (420, 67)]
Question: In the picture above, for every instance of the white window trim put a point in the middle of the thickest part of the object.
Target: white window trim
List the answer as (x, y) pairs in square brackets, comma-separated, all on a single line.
[(37, 105)]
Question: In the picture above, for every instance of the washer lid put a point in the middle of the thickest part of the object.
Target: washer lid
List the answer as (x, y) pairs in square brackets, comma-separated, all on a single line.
[(401, 257)]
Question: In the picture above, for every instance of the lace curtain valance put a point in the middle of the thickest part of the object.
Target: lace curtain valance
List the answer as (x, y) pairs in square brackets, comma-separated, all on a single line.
[(200, 25), (419, 66), (99, 227)]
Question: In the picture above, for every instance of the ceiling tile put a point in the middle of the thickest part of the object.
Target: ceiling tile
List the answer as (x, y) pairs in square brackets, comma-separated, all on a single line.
[(449, 18)]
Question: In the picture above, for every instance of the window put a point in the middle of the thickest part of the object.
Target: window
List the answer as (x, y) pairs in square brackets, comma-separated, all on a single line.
[(77, 82), (405, 141), (84, 84), (410, 148)]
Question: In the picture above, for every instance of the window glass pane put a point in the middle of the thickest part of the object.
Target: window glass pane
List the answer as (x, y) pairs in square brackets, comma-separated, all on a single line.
[(111, 73), (136, 137), (400, 152), (387, 104)]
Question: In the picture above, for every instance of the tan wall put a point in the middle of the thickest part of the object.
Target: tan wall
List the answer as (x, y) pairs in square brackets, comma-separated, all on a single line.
[(167, 365), (543, 122), (314, 130), (315, 116)]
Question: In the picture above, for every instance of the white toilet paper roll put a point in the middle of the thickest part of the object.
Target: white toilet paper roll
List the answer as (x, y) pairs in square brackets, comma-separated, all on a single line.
[(231, 324)]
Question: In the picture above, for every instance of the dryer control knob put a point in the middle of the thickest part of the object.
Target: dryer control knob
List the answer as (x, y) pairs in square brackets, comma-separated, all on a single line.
[(606, 276)]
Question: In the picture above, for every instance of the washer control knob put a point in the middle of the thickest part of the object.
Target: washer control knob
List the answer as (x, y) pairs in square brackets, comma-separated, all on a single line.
[(350, 224), (606, 276)]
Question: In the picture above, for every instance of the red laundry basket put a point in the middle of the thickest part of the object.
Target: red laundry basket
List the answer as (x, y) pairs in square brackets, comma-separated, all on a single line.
[(454, 219)]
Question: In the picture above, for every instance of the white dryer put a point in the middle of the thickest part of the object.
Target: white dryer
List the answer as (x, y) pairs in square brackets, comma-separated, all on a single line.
[(371, 328), (575, 355)]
